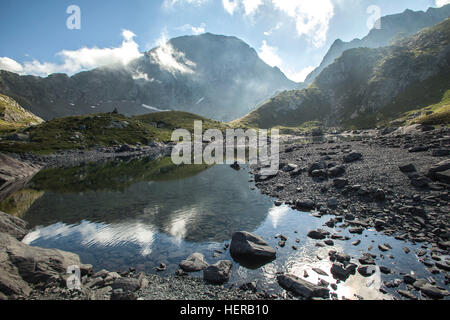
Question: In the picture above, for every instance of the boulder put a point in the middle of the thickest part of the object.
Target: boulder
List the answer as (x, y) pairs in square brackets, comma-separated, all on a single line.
[(305, 204), (21, 265), (13, 226), (318, 234), (218, 273), (195, 262), (126, 284), (249, 247), (302, 287)]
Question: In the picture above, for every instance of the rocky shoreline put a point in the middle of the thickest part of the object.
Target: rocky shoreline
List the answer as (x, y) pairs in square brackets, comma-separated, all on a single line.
[(394, 182)]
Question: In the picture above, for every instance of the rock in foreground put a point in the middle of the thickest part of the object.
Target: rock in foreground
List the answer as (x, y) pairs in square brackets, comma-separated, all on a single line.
[(251, 248), (301, 287)]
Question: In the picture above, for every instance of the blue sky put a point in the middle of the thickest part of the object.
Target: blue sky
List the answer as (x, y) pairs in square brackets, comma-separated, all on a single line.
[(291, 34)]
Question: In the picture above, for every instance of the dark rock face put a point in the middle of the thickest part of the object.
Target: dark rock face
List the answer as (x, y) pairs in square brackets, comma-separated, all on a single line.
[(301, 287), (248, 248), (219, 272)]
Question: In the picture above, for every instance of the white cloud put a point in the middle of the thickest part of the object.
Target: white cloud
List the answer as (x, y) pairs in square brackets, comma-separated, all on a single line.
[(312, 18), (249, 6), (230, 5), (299, 76), (194, 30), (10, 65), (170, 59), (270, 55), (271, 31), (440, 3), (74, 61)]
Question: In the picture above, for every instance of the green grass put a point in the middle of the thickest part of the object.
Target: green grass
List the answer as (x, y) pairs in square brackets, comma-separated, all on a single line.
[(86, 132), (304, 128), (13, 117), (437, 114)]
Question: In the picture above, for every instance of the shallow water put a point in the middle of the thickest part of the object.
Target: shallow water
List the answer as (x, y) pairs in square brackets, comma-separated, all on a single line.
[(140, 213)]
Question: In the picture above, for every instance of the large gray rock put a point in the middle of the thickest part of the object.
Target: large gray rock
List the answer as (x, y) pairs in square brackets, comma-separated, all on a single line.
[(219, 272), (195, 262), (21, 265), (302, 287), (440, 171), (248, 246), (126, 284), (13, 226), (14, 174)]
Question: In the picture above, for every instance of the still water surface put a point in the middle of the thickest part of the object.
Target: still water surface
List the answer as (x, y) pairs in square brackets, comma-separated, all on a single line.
[(140, 213)]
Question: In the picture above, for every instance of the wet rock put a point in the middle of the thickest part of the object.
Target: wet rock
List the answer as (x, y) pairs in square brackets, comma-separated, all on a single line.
[(339, 272), (318, 234), (407, 294), (443, 265), (302, 287), (218, 273), (236, 166), (367, 271), (195, 262), (320, 271), (384, 247), (251, 247), (409, 279), (305, 204), (366, 259)]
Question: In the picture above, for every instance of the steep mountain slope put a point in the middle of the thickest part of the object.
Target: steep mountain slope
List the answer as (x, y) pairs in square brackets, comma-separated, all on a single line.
[(392, 27), (366, 86), (214, 76), (13, 116)]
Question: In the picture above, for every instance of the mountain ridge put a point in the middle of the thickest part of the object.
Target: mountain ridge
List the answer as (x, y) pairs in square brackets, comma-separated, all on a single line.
[(366, 86), (215, 76), (397, 25)]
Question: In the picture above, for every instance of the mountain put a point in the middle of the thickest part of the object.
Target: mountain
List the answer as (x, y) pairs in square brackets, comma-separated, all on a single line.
[(13, 116), (215, 76), (392, 27), (365, 87)]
